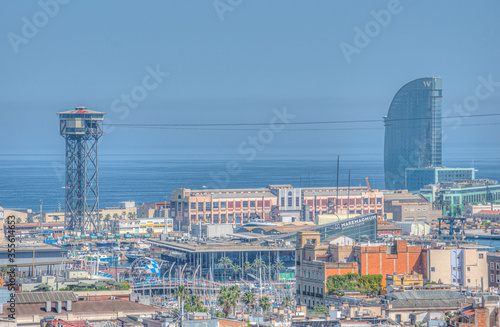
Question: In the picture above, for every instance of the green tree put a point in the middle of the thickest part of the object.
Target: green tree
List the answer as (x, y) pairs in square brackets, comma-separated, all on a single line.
[(180, 294), (247, 266), (258, 264), (248, 299), (236, 269), (225, 262), (278, 266), (194, 304), (287, 301), (264, 303), (228, 298)]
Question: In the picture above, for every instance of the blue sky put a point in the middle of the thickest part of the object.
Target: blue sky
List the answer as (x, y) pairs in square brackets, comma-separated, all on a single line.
[(262, 55)]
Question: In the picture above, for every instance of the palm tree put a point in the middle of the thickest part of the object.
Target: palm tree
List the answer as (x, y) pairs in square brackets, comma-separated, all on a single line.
[(228, 298), (247, 266), (264, 303), (236, 270), (180, 294), (130, 215), (248, 299), (123, 214), (115, 216), (225, 262), (287, 301), (258, 264), (194, 303), (278, 266), (106, 219)]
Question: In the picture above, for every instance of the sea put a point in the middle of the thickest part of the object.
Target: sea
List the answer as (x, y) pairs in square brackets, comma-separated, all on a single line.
[(143, 178)]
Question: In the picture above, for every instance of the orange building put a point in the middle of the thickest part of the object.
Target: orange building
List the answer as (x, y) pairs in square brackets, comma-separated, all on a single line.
[(398, 258), (315, 262)]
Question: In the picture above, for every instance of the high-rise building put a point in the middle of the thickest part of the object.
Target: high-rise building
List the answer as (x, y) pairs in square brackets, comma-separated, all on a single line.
[(413, 131)]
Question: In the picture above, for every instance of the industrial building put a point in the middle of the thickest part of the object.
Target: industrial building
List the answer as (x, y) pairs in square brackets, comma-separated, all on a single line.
[(274, 203), (413, 131), (41, 259), (404, 206), (458, 194), (416, 178)]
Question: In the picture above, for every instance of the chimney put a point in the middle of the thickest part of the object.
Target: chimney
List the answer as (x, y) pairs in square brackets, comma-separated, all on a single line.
[(68, 305), (48, 306), (59, 307)]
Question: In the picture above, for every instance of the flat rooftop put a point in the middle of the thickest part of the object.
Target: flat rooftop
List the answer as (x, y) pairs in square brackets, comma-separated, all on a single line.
[(217, 247)]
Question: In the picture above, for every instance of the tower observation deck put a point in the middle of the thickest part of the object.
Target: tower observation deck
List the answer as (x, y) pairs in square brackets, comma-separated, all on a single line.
[(81, 128)]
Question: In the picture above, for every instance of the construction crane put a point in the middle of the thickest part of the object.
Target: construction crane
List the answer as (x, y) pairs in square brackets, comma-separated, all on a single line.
[(368, 184)]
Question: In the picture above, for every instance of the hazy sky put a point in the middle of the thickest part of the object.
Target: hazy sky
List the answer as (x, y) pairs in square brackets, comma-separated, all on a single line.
[(233, 61)]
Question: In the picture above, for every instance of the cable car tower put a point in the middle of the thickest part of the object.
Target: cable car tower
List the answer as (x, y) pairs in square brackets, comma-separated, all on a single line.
[(81, 128)]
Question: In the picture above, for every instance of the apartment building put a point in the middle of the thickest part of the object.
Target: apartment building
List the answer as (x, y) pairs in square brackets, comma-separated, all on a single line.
[(462, 267), (315, 262), (494, 269)]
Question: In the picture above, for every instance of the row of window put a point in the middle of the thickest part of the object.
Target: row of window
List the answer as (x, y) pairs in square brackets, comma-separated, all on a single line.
[(492, 278), (207, 206), (307, 288), (492, 265), (223, 216)]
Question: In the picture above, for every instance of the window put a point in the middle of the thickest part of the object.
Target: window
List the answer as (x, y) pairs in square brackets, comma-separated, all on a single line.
[(193, 205), (492, 265), (282, 201), (200, 206), (290, 201), (468, 280), (297, 201), (481, 255), (433, 269), (215, 205), (492, 278), (252, 204), (468, 268), (498, 278), (223, 205), (498, 266), (245, 204), (208, 206)]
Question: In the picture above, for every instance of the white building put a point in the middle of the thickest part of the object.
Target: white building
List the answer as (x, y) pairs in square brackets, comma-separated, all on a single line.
[(142, 226)]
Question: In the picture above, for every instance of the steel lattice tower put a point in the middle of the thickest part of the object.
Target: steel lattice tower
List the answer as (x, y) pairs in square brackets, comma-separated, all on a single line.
[(81, 128)]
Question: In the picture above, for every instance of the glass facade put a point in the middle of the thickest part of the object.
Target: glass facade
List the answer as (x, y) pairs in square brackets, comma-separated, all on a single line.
[(413, 131)]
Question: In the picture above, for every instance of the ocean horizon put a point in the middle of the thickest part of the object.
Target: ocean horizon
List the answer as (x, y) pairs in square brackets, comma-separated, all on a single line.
[(143, 178)]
